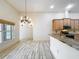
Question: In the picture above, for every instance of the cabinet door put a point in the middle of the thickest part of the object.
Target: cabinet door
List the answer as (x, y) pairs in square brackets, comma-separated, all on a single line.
[(61, 24), (67, 22), (76, 25), (73, 24), (57, 24)]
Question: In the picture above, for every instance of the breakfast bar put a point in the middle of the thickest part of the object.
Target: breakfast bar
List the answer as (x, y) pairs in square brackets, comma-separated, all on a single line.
[(63, 47)]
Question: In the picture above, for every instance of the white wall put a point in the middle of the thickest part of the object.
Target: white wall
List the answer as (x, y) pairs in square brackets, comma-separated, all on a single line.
[(42, 26), (42, 23), (74, 15), (25, 31)]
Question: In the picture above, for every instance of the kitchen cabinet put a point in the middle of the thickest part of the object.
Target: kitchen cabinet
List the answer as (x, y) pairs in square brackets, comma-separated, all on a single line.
[(57, 24)]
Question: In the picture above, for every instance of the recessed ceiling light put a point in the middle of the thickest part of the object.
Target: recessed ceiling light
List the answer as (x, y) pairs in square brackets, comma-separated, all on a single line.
[(52, 6), (69, 6)]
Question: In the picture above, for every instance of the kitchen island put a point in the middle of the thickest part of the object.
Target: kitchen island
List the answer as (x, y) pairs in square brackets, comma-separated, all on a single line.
[(63, 47)]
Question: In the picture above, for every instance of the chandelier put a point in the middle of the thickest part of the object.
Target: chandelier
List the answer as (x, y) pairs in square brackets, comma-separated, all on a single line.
[(25, 18)]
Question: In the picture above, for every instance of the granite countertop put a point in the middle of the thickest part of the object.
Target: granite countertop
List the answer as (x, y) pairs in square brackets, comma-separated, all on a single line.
[(71, 42)]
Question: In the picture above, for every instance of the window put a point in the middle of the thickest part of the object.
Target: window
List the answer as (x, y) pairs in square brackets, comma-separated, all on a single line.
[(6, 31), (0, 33)]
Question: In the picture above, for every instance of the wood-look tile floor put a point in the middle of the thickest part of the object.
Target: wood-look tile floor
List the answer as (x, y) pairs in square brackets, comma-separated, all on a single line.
[(31, 50)]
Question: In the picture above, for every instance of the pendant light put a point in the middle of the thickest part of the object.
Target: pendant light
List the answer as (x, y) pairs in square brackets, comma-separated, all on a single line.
[(25, 18)]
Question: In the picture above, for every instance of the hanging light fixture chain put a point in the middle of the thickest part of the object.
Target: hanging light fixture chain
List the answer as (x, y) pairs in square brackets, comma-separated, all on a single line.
[(25, 7), (24, 19)]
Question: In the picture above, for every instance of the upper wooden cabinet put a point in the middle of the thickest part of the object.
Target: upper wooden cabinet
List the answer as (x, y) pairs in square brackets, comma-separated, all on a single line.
[(57, 24), (67, 21)]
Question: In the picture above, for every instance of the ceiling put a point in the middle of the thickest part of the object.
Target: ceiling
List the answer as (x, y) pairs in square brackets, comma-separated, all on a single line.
[(43, 5)]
